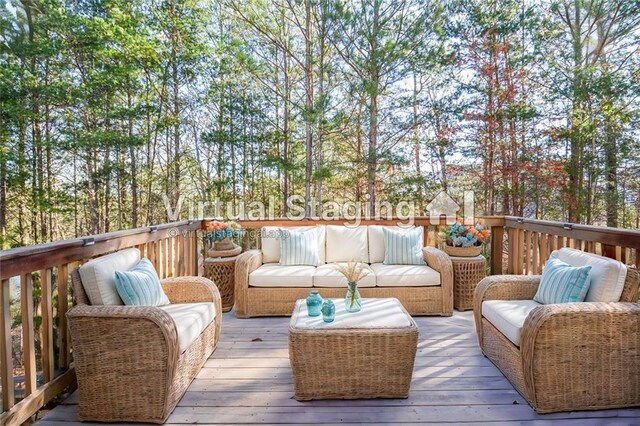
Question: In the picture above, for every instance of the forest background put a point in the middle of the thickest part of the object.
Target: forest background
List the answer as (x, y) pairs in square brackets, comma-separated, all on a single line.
[(106, 106)]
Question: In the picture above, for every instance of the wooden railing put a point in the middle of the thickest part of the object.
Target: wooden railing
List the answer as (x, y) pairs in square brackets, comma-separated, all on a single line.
[(519, 246), (174, 249), (529, 243)]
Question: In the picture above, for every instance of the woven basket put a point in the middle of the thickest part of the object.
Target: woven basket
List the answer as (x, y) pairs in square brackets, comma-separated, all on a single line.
[(471, 251)]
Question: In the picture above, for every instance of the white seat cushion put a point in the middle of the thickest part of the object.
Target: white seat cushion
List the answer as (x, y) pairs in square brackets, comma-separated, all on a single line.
[(99, 275), (270, 242), (405, 275), (191, 319), (376, 240), (328, 276), (607, 275), (274, 275), (345, 244), (508, 316)]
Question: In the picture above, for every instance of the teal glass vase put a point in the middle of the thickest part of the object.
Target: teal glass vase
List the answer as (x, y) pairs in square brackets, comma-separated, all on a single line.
[(353, 301), (328, 310), (314, 302)]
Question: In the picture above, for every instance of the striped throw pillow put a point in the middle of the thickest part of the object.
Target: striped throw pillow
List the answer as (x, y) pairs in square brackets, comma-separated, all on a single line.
[(562, 283), (299, 247), (140, 285), (403, 248)]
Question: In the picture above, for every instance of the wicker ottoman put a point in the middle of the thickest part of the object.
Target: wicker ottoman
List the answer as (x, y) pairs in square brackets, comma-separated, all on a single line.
[(221, 270), (368, 354), (467, 273)]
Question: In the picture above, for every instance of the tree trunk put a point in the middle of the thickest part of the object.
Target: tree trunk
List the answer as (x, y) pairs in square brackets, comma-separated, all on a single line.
[(309, 113)]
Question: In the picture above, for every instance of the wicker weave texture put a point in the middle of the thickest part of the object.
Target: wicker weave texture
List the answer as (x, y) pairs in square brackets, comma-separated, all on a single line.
[(467, 273), (279, 301), (352, 363), (222, 273)]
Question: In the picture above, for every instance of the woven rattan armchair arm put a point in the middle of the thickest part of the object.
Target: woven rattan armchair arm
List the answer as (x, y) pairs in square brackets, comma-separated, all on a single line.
[(586, 347), (190, 290), (246, 263), (441, 262), (131, 349), (502, 287)]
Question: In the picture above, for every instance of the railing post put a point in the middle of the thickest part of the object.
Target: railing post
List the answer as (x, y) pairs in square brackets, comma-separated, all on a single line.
[(6, 360), (497, 236), (28, 344)]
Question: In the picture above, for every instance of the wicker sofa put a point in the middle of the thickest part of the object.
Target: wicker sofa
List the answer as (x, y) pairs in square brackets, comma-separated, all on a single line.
[(570, 356), (134, 363), (263, 287)]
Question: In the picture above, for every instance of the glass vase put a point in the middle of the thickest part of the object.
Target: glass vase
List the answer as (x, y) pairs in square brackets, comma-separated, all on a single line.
[(328, 310), (314, 302), (353, 301)]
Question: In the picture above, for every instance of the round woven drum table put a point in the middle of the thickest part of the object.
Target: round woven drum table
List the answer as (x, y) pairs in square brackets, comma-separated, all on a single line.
[(221, 271), (467, 273)]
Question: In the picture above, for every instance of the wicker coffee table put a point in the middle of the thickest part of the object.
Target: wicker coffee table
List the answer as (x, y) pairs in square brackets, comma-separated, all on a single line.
[(367, 354), (467, 273)]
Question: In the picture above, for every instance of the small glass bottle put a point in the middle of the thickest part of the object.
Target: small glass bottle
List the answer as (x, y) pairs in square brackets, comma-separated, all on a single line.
[(328, 310), (314, 302)]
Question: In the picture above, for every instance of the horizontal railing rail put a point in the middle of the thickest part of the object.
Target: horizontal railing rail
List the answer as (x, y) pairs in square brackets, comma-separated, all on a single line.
[(173, 248)]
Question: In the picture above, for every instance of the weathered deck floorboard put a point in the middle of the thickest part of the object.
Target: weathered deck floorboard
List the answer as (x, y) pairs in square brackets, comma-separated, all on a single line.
[(248, 381)]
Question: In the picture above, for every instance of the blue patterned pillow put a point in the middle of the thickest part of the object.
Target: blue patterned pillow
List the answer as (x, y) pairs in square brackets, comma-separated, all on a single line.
[(562, 283), (403, 248), (140, 285), (299, 248)]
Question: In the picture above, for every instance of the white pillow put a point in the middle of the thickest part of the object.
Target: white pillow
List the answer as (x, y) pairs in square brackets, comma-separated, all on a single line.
[(376, 240), (270, 242), (345, 243), (99, 275), (607, 275)]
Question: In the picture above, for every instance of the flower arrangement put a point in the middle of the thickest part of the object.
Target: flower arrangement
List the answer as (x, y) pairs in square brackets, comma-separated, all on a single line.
[(218, 230), (461, 235)]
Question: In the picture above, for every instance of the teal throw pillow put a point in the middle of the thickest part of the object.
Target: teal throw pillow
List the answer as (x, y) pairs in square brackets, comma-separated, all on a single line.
[(562, 283), (403, 248), (140, 285), (299, 247)]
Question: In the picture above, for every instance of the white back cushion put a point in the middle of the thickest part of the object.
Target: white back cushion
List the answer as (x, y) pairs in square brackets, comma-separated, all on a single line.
[(376, 240), (346, 243), (271, 236), (607, 275), (99, 276)]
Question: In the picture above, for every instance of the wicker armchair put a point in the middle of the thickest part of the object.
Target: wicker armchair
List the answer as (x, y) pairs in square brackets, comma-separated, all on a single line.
[(572, 356), (128, 363)]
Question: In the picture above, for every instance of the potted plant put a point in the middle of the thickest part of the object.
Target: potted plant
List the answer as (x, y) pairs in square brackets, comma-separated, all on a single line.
[(464, 240), (219, 236)]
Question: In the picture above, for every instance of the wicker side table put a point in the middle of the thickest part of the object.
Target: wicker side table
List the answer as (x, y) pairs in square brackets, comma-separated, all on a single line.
[(221, 271), (467, 273)]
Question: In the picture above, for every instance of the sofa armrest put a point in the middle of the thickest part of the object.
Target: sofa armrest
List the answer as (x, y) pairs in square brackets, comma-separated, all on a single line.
[(502, 287), (441, 262), (124, 350), (190, 290), (592, 347), (246, 263)]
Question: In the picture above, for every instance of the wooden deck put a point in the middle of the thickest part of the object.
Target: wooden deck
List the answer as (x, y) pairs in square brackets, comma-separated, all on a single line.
[(248, 381)]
